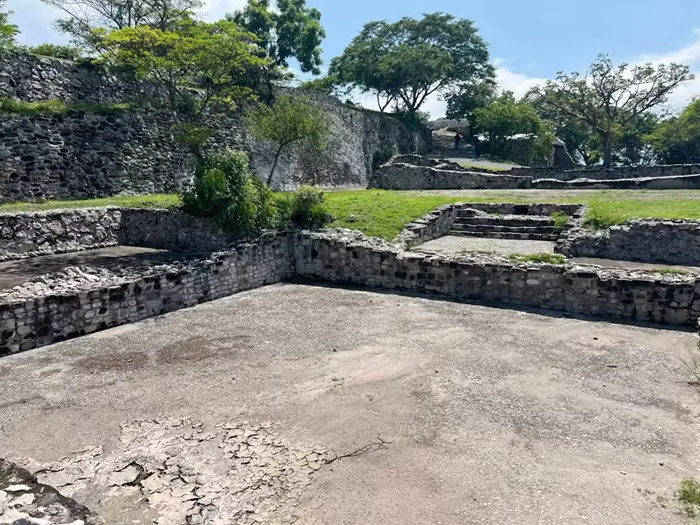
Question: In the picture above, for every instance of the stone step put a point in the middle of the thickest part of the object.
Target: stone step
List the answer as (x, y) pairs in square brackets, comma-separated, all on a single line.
[(508, 235), (501, 228), (507, 221)]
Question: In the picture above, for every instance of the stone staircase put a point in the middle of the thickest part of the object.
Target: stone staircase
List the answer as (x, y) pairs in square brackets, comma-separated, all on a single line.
[(525, 227)]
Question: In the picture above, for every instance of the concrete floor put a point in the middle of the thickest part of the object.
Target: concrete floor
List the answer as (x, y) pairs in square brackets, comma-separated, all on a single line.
[(238, 410), (13, 273), (454, 244)]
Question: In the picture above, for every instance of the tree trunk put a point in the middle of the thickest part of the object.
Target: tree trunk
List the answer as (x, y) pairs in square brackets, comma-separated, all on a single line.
[(274, 165), (607, 151)]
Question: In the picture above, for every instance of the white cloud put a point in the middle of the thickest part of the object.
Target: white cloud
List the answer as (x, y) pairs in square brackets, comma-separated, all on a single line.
[(688, 55), (509, 80), (217, 9)]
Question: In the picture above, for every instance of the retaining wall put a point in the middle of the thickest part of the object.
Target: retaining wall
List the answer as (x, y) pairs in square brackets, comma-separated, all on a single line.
[(618, 172), (680, 182), (649, 241), (399, 176)]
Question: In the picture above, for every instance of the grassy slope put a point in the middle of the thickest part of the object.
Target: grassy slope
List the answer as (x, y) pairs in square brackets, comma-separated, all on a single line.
[(385, 213)]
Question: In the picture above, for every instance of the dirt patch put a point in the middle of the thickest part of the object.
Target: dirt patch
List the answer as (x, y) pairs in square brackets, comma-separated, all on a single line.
[(117, 362)]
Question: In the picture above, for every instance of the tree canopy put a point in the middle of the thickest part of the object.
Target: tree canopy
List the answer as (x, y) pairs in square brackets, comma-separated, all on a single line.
[(200, 64), (84, 18), (609, 97), (405, 62), (677, 139), (8, 31), (292, 31)]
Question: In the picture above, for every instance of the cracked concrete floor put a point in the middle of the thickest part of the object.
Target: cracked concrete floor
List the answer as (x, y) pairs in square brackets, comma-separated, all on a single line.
[(238, 411)]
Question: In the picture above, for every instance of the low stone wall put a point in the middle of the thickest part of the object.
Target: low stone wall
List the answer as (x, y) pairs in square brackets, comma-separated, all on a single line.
[(680, 182), (615, 173), (345, 258), (399, 176), (58, 231), (40, 316), (649, 241)]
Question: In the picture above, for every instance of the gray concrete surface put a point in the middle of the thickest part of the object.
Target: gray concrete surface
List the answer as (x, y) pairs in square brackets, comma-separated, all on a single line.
[(452, 244), (13, 273), (236, 411)]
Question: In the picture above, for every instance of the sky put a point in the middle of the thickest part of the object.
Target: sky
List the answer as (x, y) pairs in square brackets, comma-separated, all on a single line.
[(529, 41)]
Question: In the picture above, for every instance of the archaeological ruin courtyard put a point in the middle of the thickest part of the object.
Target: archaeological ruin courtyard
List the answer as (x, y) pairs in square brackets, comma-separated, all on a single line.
[(438, 412)]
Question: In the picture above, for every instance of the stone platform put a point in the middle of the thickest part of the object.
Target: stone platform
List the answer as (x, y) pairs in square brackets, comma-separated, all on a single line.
[(358, 408)]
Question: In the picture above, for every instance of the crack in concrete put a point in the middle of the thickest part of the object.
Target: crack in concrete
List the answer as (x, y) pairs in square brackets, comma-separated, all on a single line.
[(175, 471)]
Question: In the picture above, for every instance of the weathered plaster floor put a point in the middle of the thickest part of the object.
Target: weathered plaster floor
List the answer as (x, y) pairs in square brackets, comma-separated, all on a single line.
[(235, 411), (13, 273)]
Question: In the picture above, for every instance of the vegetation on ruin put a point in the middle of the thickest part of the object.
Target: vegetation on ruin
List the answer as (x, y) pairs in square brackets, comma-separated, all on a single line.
[(689, 497), (540, 258), (55, 107), (560, 220)]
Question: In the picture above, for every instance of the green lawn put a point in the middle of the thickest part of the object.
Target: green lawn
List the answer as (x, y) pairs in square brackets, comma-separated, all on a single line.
[(385, 213)]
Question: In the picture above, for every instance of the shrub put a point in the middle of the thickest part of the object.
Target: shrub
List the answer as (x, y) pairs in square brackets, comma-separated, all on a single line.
[(560, 220), (689, 496), (304, 208), (381, 156), (226, 191), (56, 51)]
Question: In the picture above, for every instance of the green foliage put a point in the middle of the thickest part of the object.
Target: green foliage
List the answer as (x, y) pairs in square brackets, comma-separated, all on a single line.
[(608, 97), (289, 120), (467, 97), (88, 21), (328, 85), (689, 496), (305, 208), (540, 258), (560, 220), (504, 118), (382, 156), (673, 271), (218, 61), (226, 191), (600, 219), (8, 31), (293, 30), (55, 107), (676, 140), (405, 62), (56, 51)]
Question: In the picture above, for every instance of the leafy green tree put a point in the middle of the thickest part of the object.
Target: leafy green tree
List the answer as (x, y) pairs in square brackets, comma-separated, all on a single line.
[(608, 97), (56, 51), (328, 85), (8, 31), (505, 118), (290, 120), (86, 20), (631, 145), (405, 62), (468, 97), (292, 31), (676, 140), (197, 66)]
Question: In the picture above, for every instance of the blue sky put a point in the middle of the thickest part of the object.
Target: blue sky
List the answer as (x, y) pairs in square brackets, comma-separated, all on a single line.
[(529, 40)]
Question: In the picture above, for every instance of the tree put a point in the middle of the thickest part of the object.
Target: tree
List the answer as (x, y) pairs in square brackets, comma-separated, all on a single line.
[(676, 140), (56, 51), (291, 31), (631, 145), (468, 97), (405, 62), (86, 20), (8, 31), (200, 64), (290, 120), (505, 118), (608, 97)]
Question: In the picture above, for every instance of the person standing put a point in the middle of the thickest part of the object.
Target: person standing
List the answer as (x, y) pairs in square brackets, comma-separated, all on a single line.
[(458, 139)]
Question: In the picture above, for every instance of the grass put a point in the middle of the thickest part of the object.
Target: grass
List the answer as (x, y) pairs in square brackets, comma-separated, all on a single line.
[(384, 214), (55, 107), (544, 258), (672, 271), (489, 167), (560, 219), (689, 496)]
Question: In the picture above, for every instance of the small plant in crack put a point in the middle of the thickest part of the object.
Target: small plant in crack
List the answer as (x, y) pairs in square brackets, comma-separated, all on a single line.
[(691, 367), (689, 497)]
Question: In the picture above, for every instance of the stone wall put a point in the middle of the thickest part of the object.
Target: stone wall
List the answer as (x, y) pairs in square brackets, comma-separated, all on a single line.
[(679, 182), (58, 231), (346, 258), (39, 316), (400, 176), (618, 172), (649, 241)]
